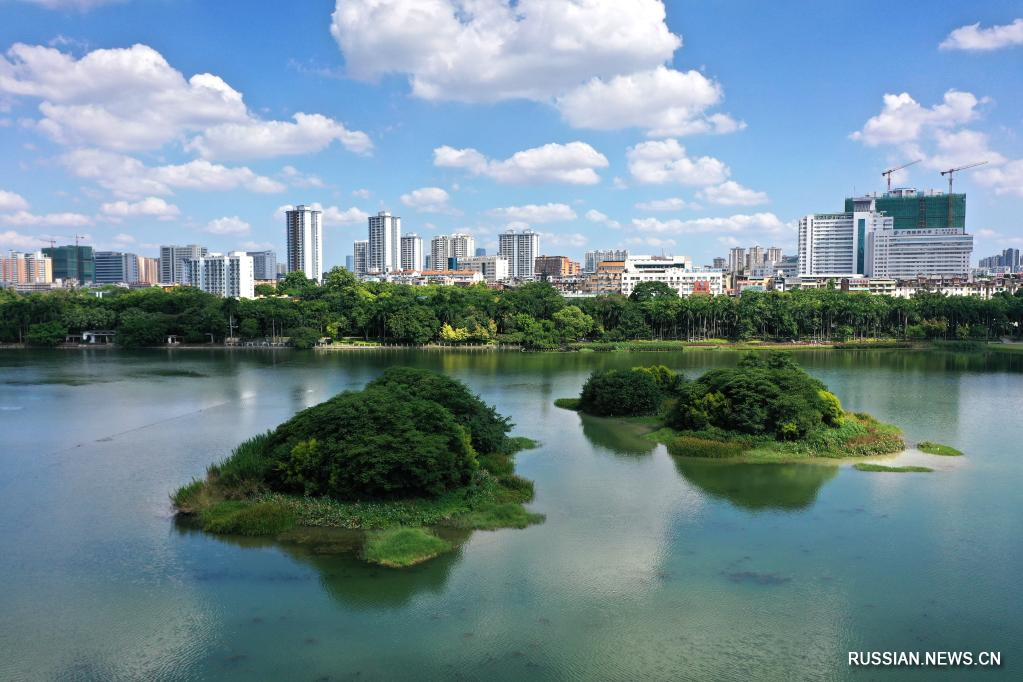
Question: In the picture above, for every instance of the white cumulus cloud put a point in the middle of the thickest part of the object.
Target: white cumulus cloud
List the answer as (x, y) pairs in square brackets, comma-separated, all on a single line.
[(902, 118), (9, 201), (731, 193), (595, 216), (767, 223), (152, 207), (666, 205), (575, 163), (428, 200), (535, 213), (263, 139), (228, 225), (973, 37), (666, 161), (25, 218)]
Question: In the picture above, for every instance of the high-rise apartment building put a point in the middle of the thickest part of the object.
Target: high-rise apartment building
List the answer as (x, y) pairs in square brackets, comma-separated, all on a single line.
[(26, 268), (304, 231), (440, 251), (227, 275), (773, 255), (719, 263), (736, 259), (360, 258), (173, 259), (1008, 260), (384, 243), (521, 250), (264, 265), (149, 270), (754, 257), (555, 266), (462, 246), (411, 252), (594, 258), (72, 263)]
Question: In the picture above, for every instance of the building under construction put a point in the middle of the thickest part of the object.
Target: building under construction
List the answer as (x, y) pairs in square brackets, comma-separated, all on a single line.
[(912, 209)]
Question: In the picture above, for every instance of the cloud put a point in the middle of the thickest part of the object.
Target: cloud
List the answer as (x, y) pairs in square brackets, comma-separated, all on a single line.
[(595, 216), (671, 204), (961, 147), (902, 118), (572, 240), (428, 200), (297, 178), (78, 5), (132, 99), (9, 201), (25, 218), (731, 193), (663, 101), (534, 213), (10, 239), (973, 37), (152, 207), (361, 193), (663, 161), (264, 139), (232, 225), (332, 215), (655, 242), (740, 223), (127, 176), (490, 51), (574, 163), (1004, 180)]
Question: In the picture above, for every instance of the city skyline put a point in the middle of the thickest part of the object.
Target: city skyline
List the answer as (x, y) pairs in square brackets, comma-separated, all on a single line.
[(710, 160)]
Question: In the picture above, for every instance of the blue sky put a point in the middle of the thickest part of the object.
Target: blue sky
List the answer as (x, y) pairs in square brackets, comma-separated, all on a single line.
[(682, 127)]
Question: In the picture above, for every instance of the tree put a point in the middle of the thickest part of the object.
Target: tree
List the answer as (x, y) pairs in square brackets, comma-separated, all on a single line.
[(620, 393), (138, 329), (645, 291), (573, 323), (297, 284), (303, 337), (46, 334), (413, 324)]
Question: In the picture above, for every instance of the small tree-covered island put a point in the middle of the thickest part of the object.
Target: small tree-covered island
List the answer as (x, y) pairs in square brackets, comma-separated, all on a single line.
[(411, 455), (764, 409)]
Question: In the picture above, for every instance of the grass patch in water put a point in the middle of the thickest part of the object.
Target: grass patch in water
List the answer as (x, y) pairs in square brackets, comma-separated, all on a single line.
[(506, 515), (866, 466), (567, 403), (237, 517), (402, 547), (691, 446), (938, 449)]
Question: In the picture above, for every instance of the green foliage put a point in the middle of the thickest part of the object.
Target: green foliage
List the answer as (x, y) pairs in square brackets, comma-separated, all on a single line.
[(865, 466), (572, 323), (692, 446), (488, 430), (620, 393), (761, 396), (139, 329), (46, 334), (402, 547), (938, 449), (303, 337), (247, 518), (645, 291), (505, 515), (568, 403)]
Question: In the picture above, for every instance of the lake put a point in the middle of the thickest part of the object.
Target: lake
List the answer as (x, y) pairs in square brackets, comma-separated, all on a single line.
[(646, 567)]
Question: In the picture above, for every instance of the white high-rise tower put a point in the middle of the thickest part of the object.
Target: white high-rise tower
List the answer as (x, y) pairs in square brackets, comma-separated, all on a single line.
[(384, 242), (305, 241)]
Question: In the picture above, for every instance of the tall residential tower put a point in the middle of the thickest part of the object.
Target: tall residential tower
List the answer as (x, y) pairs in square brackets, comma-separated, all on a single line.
[(305, 241)]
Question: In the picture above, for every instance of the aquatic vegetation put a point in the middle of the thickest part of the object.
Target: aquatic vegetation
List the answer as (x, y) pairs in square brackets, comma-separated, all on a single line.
[(402, 547), (628, 392), (567, 403), (866, 466), (938, 449), (691, 446), (247, 518)]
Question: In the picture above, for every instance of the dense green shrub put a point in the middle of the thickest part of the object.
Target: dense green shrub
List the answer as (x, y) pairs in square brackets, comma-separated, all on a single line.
[(620, 393), (691, 446), (761, 396), (377, 443), (488, 430), (46, 334)]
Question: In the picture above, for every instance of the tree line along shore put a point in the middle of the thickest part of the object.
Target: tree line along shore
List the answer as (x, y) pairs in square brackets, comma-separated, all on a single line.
[(533, 316)]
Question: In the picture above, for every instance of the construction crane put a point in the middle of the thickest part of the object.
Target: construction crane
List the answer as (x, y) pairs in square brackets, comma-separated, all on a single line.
[(950, 173), (888, 173)]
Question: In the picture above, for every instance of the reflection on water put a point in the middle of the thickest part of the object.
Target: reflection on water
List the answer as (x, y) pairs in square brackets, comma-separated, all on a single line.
[(758, 486), (617, 436)]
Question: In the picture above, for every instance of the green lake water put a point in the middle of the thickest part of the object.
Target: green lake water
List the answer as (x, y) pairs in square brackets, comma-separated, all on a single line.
[(646, 567)]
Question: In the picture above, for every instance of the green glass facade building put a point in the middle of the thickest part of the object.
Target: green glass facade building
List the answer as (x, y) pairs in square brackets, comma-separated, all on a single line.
[(918, 210), (73, 262)]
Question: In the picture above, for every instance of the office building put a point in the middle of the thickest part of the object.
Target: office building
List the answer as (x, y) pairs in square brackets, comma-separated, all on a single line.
[(264, 265), (384, 243), (173, 259), (675, 271), (227, 275), (593, 258), (493, 268), (26, 268), (912, 209), (72, 263), (480, 251), (350, 263), (411, 252), (114, 267), (1007, 261), (304, 231), (360, 258), (521, 250), (925, 252), (836, 243)]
